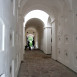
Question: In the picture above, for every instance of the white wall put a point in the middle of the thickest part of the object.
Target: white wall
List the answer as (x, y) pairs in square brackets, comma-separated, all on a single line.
[(46, 40), (24, 39), (11, 46), (67, 37), (64, 37), (54, 42), (49, 40)]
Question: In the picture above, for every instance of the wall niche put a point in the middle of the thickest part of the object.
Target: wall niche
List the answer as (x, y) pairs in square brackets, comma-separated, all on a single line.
[(66, 39)]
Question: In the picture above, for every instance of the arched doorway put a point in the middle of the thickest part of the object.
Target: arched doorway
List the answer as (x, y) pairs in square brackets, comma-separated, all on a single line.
[(32, 19)]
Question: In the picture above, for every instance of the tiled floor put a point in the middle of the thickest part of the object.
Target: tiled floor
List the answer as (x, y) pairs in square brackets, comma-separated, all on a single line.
[(37, 64)]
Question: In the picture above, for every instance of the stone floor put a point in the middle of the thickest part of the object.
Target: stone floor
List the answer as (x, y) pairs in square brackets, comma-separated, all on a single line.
[(38, 64)]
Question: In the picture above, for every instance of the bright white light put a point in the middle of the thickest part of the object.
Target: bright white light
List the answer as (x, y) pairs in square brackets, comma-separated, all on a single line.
[(3, 37), (2, 34), (3, 75), (37, 14)]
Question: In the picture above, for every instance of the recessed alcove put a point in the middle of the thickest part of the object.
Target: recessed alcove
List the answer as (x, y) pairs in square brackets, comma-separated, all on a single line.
[(2, 35)]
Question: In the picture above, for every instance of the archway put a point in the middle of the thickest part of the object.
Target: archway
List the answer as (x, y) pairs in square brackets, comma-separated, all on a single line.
[(42, 24), (31, 34)]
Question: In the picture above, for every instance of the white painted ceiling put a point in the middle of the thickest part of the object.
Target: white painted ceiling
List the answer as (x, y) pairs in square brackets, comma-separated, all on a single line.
[(49, 6)]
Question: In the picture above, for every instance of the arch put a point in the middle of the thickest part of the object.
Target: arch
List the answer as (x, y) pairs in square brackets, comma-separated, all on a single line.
[(43, 35), (34, 20), (30, 35), (39, 15), (51, 7), (34, 35), (50, 11), (40, 7)]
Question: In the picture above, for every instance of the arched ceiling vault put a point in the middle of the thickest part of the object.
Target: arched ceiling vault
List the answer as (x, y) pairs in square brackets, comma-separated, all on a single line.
[(35, 23), (49, 6)]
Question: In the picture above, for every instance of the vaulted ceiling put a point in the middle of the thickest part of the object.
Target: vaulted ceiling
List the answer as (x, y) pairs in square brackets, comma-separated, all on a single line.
[(35, 23), (49, 6)]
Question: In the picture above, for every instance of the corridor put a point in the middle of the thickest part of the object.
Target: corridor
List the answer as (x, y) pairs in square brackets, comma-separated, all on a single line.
[(47, 25), (38, 64)]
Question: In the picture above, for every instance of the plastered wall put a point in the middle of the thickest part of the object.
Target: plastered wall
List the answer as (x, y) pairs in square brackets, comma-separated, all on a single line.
[(67, 37), (10, 39), (46, 40)]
